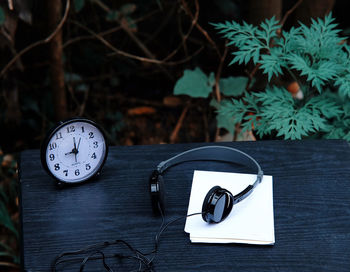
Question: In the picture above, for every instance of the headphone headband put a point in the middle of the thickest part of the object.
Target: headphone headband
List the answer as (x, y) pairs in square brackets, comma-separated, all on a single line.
[(217, 153), (218, 203)]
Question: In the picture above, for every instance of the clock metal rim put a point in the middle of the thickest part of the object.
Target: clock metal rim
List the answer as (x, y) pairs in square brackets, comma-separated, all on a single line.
[(52, 132)]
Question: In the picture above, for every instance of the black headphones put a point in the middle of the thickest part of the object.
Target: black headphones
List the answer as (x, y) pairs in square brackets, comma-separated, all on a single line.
[(218, 202)]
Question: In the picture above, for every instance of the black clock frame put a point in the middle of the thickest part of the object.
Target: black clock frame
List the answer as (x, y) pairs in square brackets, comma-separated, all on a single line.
[(53, 131)]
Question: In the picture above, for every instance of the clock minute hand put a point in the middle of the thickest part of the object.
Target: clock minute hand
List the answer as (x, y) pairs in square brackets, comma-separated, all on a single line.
[(75, 151), (78, 145)]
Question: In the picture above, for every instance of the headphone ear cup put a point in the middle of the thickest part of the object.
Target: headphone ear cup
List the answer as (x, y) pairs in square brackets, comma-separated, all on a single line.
[(156, 183), (206, 203), (217, 205)]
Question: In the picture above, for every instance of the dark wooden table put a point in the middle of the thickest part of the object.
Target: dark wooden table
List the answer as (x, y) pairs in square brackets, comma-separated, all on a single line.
[(311, 206)]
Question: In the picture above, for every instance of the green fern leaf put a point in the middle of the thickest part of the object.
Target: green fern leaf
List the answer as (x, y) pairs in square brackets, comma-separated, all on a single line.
[(325, 105), (194, 83), (269, 28), (315, 55), (344, 85), (224, 120), (284, 115), (272, 64)]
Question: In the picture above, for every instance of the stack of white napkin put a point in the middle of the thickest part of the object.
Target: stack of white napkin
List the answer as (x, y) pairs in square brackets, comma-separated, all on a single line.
[(250, 221)]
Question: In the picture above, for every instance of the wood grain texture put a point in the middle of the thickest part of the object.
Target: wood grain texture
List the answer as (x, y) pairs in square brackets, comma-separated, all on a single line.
[(311, 206)]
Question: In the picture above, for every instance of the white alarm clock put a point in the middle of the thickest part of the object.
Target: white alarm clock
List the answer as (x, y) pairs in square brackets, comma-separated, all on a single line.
[(74, 151)]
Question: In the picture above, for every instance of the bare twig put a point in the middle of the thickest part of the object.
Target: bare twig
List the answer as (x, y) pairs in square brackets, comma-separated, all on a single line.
[(35, 44), (185, 37), (12, 48), (217, 85), (108, 31), (206, 127), (251, 76), (90, 37), (167, 18), (176, 130), (284, 19), (203, 31), (138, 42), (10, 3), (7, 264), (102, 5), (218, 74), (128, 55)]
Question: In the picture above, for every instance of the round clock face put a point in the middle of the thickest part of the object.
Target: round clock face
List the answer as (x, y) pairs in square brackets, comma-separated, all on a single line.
[(74, 151)]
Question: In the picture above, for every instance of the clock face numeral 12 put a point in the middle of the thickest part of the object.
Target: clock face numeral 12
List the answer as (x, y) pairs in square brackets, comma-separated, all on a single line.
[(75, 151)]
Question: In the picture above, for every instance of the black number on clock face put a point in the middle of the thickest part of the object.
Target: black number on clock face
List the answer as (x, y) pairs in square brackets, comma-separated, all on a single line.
[(52, 157), (52, 146), (95, 144), (87, 166), (91, 135), (77, 172), (93, 155), (70, 129), (65, 172), (57, 166)]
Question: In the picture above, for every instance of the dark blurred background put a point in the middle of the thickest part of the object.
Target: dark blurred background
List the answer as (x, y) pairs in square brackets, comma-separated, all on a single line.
[(115, 62)]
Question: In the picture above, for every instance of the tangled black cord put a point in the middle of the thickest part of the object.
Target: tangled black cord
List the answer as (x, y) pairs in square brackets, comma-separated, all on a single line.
[(95, 252)]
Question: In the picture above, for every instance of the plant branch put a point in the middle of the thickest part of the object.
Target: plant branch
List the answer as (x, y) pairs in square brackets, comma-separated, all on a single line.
[(128, 55), (106, 32), (289, 12), (203, 31), (102, 5), (10, 4), (176, 130), (251, 76), (7, 264), (35, 44), (217, 84), (138, 42), (185, 37), (218, 74)]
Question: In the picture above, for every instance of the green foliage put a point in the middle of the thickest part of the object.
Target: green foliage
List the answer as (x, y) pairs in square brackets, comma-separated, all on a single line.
[(233, 86), (123, 12), (79, 5), (225, 121), (2, 16), (315, 56), (276, 110), (249, 39), (113, 16), (9, 234), (195, 83)]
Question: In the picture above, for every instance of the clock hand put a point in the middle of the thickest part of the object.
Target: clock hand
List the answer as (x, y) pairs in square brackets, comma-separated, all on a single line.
[(75, 151), (78, 145)]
